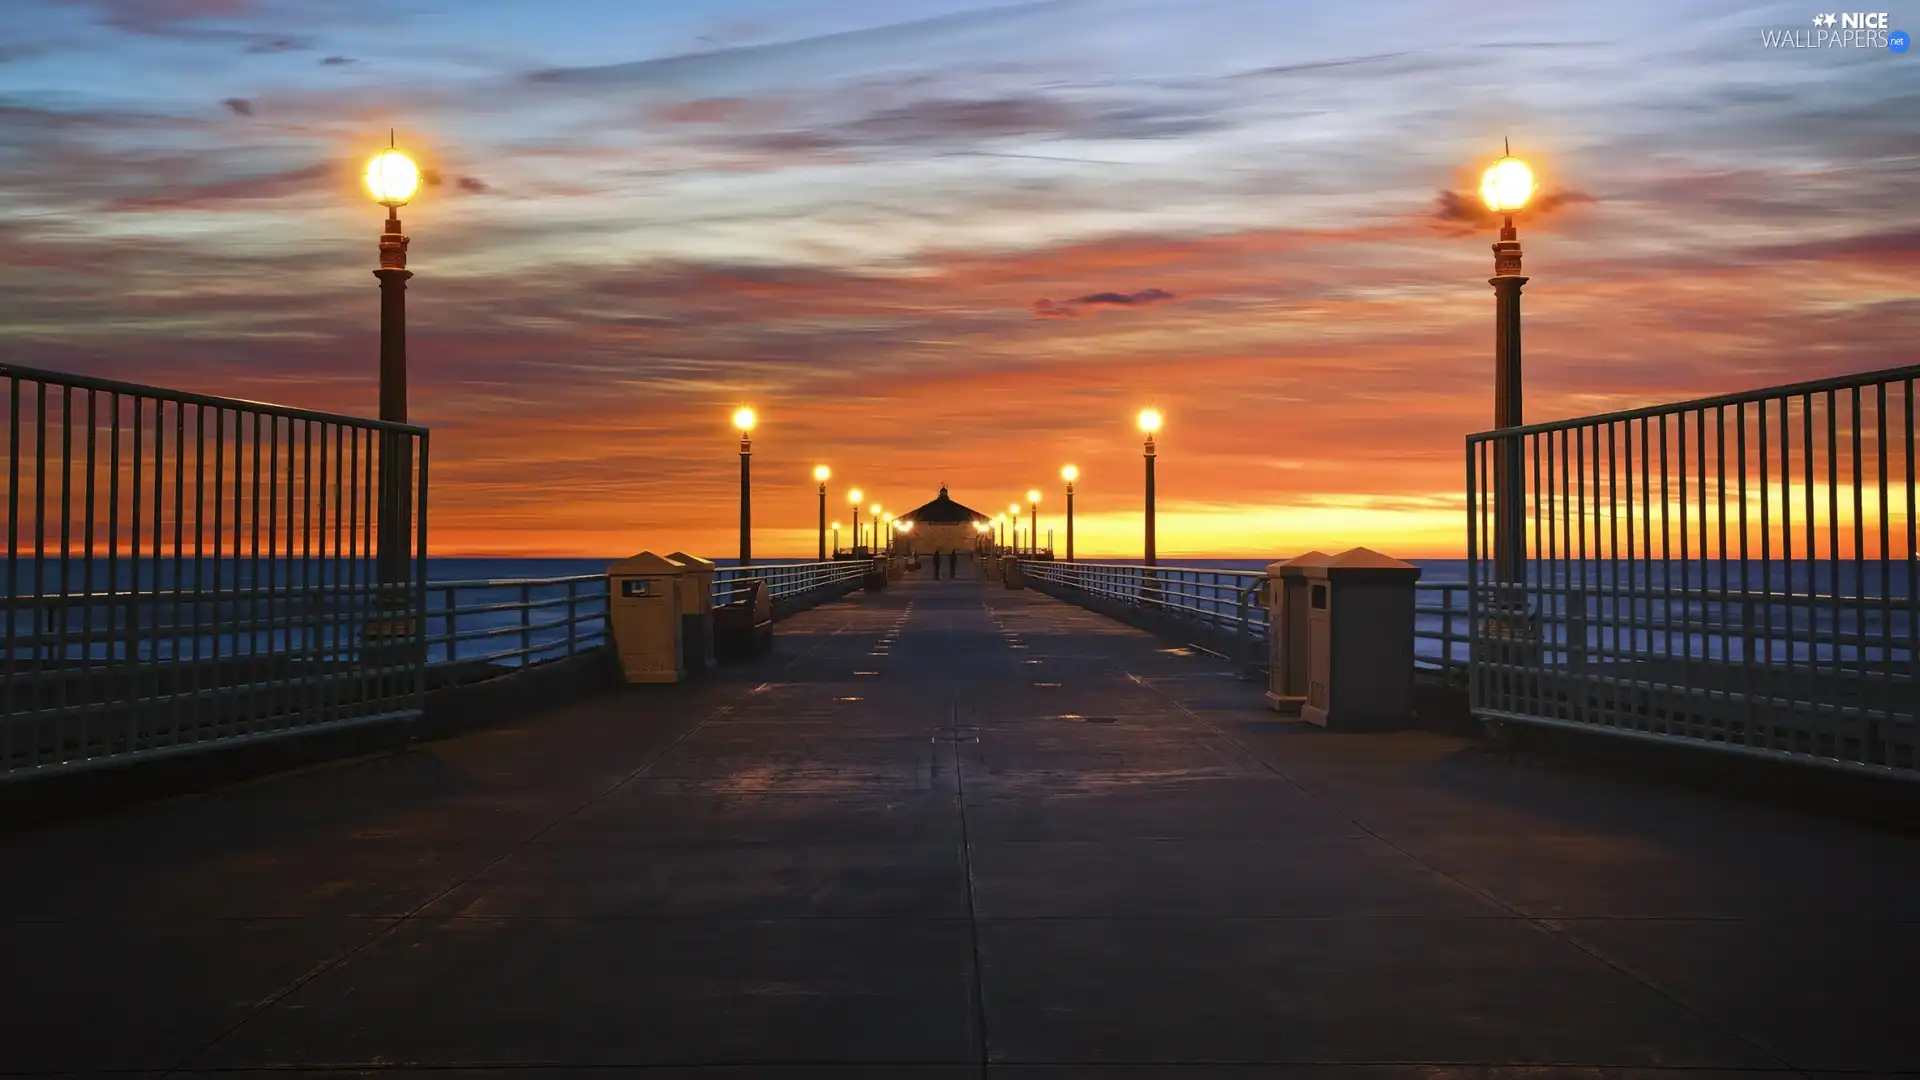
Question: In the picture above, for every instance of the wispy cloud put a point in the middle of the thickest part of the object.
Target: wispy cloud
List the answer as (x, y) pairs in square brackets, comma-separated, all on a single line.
[(1070, 309)]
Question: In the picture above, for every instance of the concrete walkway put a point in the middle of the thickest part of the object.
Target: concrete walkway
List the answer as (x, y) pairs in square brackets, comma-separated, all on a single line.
[(944, 826)]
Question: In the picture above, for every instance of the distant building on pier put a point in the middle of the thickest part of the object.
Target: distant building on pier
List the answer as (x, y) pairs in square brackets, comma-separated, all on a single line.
[(942, 525)]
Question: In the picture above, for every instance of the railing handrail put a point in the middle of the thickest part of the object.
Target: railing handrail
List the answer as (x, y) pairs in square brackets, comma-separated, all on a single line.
[(1717, 401), (1225, 599), (584, 617), (188, 397)]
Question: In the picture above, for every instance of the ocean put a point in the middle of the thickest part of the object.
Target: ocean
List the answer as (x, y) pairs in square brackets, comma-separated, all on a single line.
[(513, 619)]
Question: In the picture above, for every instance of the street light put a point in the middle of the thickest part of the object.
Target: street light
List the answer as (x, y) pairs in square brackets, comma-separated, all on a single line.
[(1033, 522), (1506, 186), (1069, 474), (821, 473), (854, 497), (1149, 423), (836, 539), (873, 527), (1013, 510), (743, 419), (393, 179), (1001, 539)]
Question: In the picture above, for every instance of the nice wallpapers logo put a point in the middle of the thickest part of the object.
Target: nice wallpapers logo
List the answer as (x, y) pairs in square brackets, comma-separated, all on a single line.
[(1840, 30)]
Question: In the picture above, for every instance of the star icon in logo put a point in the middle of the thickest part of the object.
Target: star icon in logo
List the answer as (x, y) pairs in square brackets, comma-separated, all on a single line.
[(1824, 20)]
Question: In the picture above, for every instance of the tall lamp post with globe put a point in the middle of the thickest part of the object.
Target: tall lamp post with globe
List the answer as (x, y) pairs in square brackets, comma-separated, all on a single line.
[(1149, 424), (392, 179), (1506, 187), (821, 474), (744, 420), (1069, 474)]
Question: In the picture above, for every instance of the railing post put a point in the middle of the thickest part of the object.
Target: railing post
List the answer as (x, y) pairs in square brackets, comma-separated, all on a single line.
[(453, 642), (1446, 630), (1577, 629), (572, 616), (526, 624)]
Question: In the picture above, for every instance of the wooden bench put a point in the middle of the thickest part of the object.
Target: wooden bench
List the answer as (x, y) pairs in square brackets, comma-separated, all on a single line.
[(743, 629)]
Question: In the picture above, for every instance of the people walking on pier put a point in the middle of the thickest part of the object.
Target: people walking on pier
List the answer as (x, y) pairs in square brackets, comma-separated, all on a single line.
[(936, 566)]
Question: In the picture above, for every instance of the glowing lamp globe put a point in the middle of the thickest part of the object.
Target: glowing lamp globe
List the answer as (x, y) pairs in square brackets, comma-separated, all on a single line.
[(822, 473), (836, 526), (1149, 421), (1507, 185), (392, 178), (1014, 509), (854, 497), (744, 419), (1069, 474), (874, 509)]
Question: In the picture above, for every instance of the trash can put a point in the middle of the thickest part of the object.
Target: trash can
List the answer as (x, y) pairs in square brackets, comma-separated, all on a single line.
[(896, 568), (1360, 642), (993, 564), (1010, 572), (1287, 631), (876, 576), (643, 617), (696, 611)]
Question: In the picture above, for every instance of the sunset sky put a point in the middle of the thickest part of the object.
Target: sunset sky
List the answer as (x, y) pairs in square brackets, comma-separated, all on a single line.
[(933, 241)]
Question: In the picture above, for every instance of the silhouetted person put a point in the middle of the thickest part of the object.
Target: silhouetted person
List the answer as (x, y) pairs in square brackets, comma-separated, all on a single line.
[(936, 566)]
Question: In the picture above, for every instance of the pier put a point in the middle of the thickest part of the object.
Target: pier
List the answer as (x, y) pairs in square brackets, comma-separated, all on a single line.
[(944, 828), (276, 799)]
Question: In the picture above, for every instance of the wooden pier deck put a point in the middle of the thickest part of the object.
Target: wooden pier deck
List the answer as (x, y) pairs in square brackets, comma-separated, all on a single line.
[(953, 830)]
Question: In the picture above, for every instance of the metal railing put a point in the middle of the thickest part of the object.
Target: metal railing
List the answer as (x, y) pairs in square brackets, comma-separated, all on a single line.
[(518, 622), (1736, 572), (473, 629), (786, 581), (1233, 602), (514, 622), (185, 570)]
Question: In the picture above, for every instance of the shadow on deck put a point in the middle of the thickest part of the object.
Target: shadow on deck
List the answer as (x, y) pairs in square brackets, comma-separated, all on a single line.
[(946, 826)]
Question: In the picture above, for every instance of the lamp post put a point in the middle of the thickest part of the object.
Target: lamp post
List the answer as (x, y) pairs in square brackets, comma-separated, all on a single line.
[(1013, 512), (392, 179), (1033, 521), (821, 474), (886, 534), (1000, 541), (1069, 474), (873, 529), (854, 497), (744, 419), (1150, 423), (1506, 186), (836, 539)]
